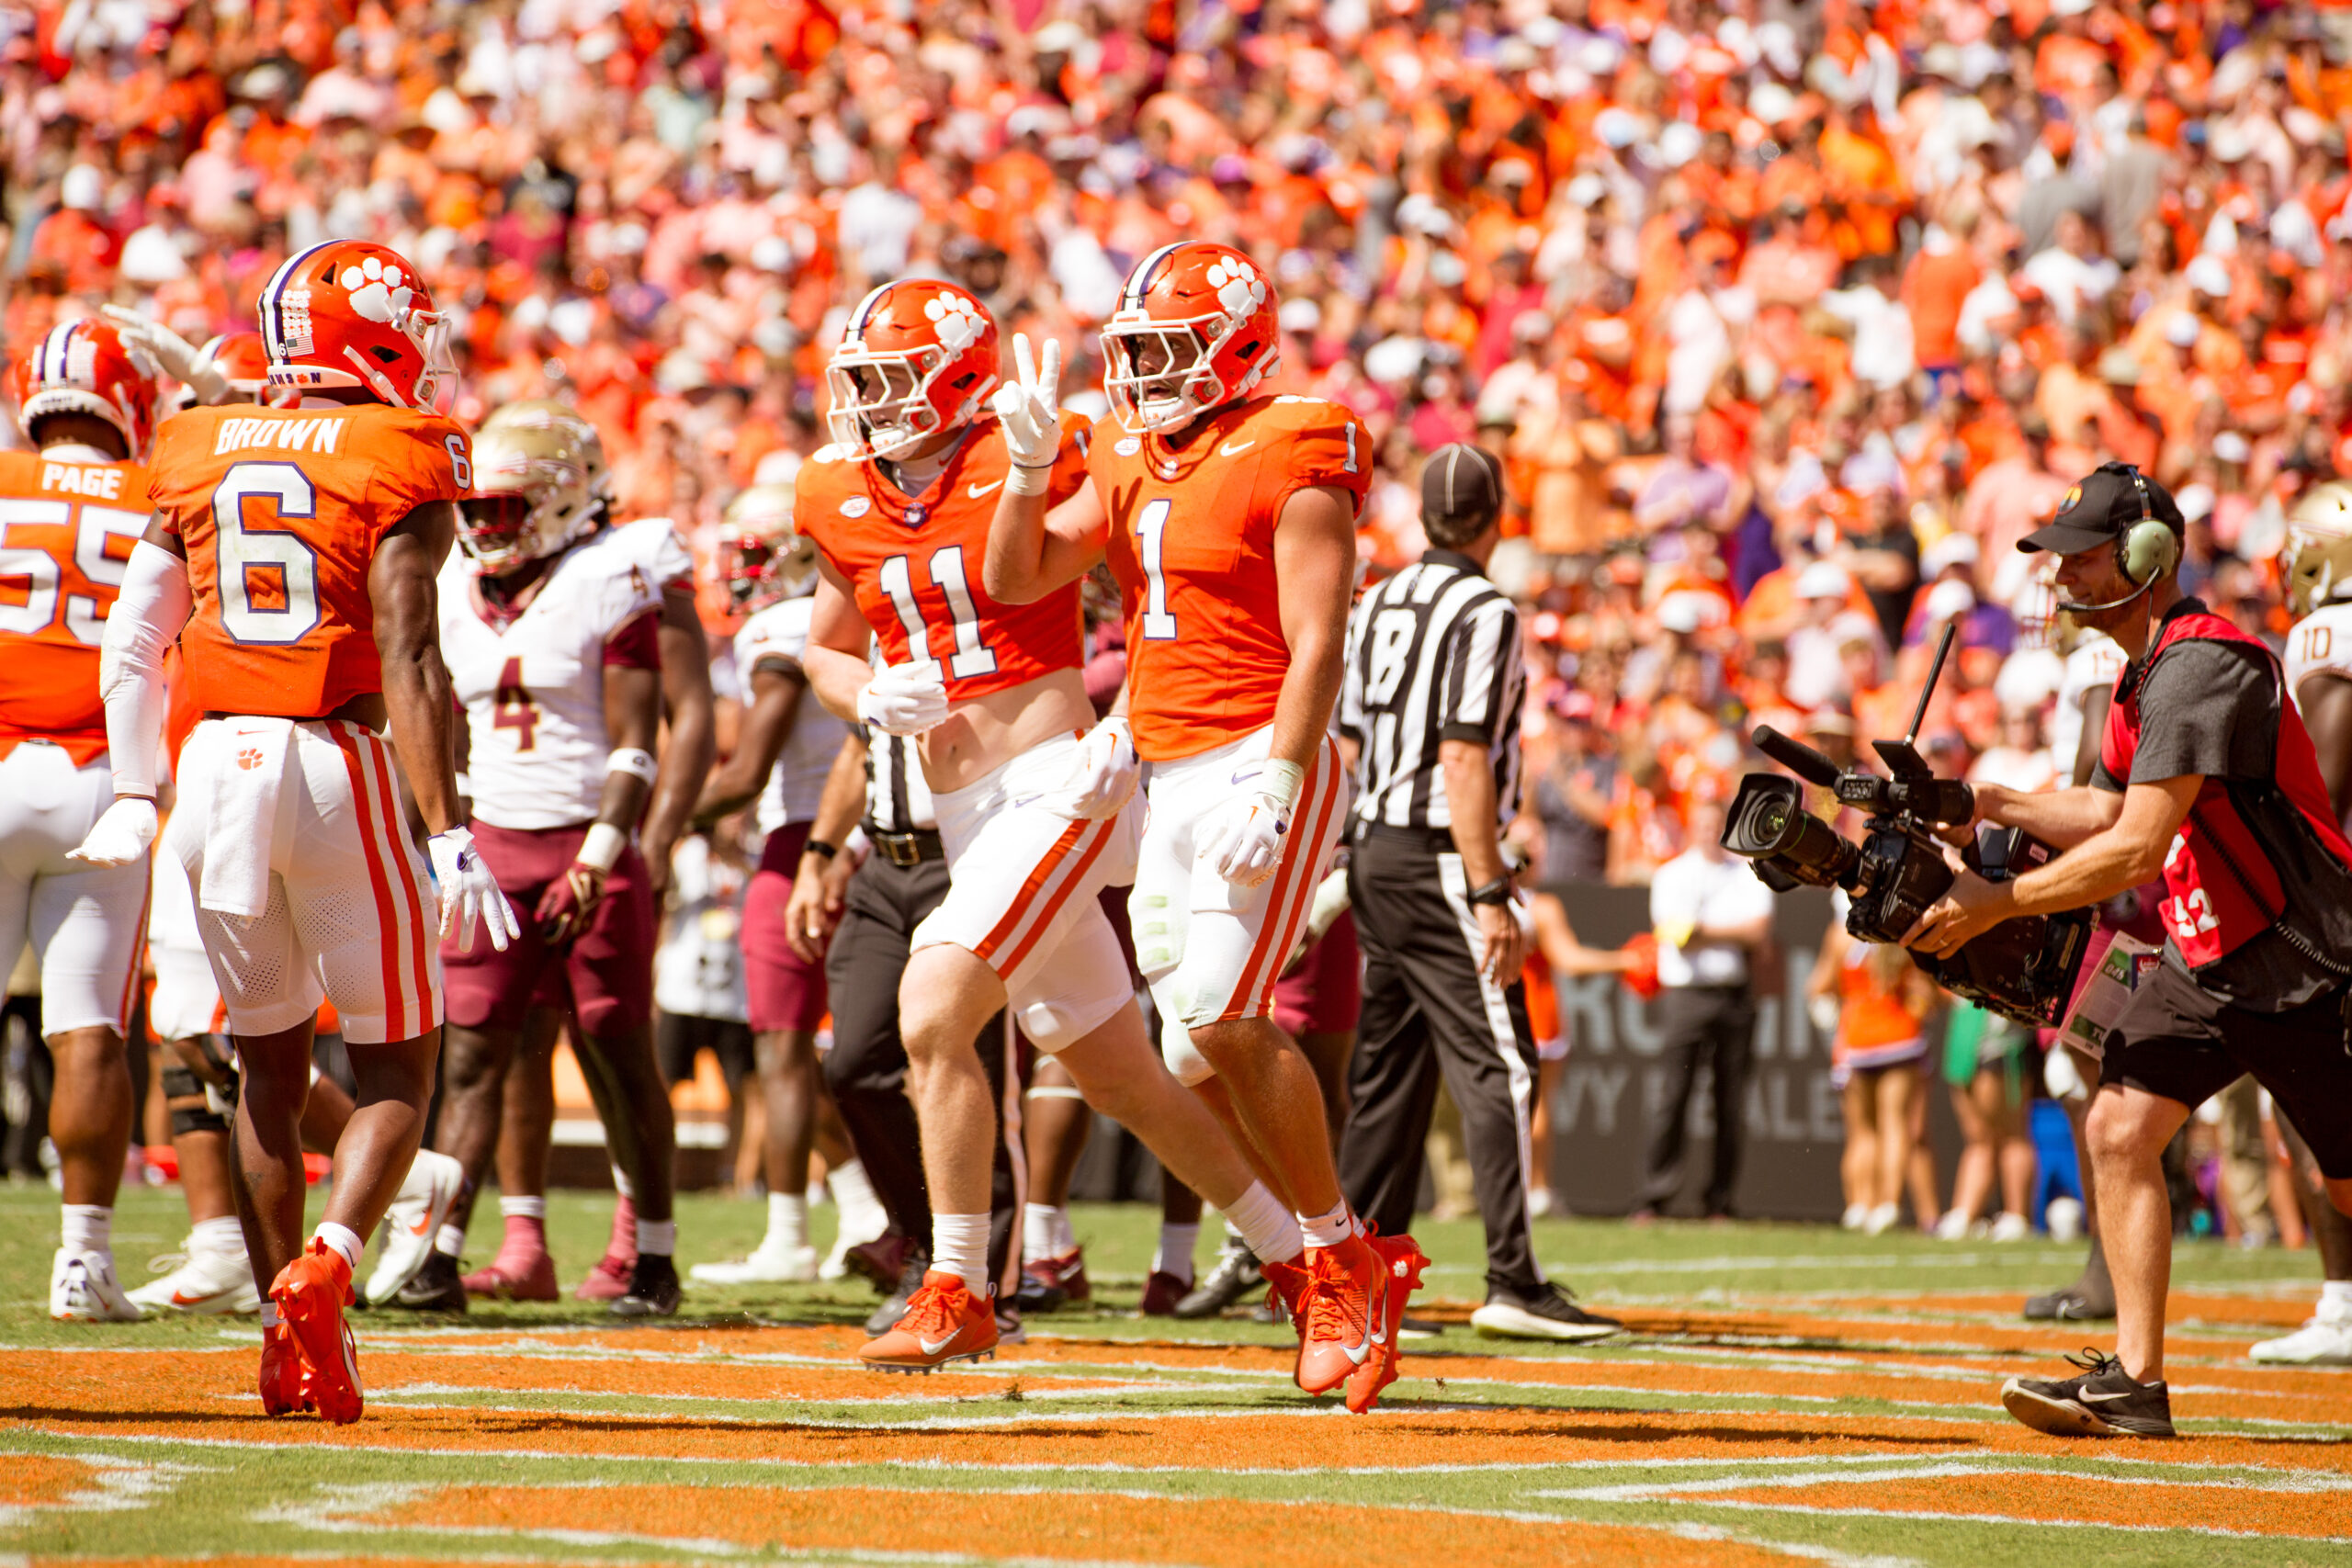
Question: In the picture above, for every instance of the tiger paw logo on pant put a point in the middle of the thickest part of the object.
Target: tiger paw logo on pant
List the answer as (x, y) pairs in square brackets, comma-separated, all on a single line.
[(249, 759)]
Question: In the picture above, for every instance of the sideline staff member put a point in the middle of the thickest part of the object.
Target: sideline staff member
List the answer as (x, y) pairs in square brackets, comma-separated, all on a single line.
[(1430, 719), (2206, 777)]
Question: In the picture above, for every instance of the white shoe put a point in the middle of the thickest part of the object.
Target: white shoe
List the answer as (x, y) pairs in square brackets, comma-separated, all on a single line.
[(1954, 1227), (1541, 1205), (1856, 1216), (413, 1220), (2011, 1227), (81, 1288), (784, 1266), (1882, 1219), (2065, 1218), (206, 1283), (2321, 1342)]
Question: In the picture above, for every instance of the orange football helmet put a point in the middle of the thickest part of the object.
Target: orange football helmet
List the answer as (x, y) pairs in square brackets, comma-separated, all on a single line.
[(1195, 330), (244, 358), (87, 367), (762, 557), (918, 356), (354, 313)]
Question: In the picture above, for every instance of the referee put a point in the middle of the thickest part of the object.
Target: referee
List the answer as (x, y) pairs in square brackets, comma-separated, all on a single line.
[(1429, 718)]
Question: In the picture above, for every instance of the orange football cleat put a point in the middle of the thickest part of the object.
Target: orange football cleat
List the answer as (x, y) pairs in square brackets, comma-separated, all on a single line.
[(943, 1322), (281, 1374), (1287, 1289), (311, 1293), (1402, 1262), (1341, 1310)]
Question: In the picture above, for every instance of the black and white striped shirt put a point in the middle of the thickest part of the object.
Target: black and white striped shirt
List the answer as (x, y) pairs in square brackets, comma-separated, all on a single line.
[(897, 798), (1434, 655)]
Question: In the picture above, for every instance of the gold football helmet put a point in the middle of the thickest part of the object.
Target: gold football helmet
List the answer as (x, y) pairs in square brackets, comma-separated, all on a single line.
[(531, 495), (762, 557), (2319, 548), (553, 414)]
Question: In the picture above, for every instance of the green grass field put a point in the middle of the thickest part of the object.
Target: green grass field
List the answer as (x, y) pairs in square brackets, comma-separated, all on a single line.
[(1792, 1394)]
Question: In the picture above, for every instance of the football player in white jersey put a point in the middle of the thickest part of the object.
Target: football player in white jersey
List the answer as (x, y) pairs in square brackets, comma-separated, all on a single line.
[(783, 754), (2319, 678), (550, 639)]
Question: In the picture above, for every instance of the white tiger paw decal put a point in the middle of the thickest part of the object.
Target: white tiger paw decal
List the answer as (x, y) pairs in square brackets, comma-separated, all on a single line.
[(378, 292), (1240, 290), (959, 320)]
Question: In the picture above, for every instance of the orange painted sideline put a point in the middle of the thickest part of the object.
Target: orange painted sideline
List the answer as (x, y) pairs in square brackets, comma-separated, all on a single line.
[(2164, 1504), (30, 1480), (1215, 1533)]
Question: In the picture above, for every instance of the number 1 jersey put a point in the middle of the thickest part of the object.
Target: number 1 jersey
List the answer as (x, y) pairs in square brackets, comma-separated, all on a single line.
[(66, 530), (914, 561), (281, 511)]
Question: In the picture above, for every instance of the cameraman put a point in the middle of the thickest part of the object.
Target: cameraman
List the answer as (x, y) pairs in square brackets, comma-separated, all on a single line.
[(2206, 777)]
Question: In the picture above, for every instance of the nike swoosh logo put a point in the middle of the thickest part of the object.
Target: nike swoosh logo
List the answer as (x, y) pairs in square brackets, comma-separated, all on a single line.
[(933, 1347), (1235, 448), (2087, 1397), (976, 492), (180, 1301), (422, 1226)]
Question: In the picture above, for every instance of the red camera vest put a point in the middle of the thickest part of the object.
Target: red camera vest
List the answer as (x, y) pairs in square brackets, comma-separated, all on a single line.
[(2207, 910)]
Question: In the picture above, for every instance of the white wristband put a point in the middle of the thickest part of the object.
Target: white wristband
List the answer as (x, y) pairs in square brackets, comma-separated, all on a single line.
[(634, 761), (602, 848), (1020, 479)]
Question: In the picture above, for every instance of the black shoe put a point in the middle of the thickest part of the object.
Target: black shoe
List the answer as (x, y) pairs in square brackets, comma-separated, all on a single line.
[(2103, 1402), (434, 1287), (910, 1273), (1548, 1313), (1038, 1295), (2072, 1304), (1237, 1275), (653, 1289)]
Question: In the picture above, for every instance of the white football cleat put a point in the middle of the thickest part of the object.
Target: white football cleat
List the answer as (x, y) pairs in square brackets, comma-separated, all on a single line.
[(81, 1288), (2320, 1342), (206, 1283), (1882, 1220), (782, 1266), (415, 1217), (2011, 1227)]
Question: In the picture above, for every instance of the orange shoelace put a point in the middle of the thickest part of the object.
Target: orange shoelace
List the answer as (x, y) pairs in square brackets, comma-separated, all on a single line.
[(1328, 1312), (934, 1309)]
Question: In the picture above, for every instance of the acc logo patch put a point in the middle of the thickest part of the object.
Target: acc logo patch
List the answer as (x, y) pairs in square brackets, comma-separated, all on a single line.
[(2073, 497), (856, 506)]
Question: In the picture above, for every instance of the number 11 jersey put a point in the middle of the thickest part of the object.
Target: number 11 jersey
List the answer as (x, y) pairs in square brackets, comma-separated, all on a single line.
[(914, 561), (281, 511)]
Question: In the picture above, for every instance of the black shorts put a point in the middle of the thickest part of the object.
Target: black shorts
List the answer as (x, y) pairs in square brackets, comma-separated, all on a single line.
[(2176, 1039), (679, 1037)]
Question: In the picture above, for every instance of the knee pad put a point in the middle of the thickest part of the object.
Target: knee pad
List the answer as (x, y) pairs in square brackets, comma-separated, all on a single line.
[(209, 1114)]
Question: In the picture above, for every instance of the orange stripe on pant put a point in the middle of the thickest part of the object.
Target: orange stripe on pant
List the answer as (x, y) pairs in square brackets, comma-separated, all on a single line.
[(1294, 893), (421, 935), (138, 949), (1093, 852), (363, 802), (1019, 910)]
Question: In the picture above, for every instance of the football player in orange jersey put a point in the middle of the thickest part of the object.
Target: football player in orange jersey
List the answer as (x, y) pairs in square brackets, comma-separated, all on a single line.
[(69, 514), (1228, 518), (293, 553), (1035, 803)]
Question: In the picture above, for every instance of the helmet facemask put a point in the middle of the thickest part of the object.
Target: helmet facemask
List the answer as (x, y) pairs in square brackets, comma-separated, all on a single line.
[(881, 400), (1159, 375)]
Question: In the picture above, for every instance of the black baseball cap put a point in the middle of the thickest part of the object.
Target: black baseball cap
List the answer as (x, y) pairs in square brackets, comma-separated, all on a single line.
[(2102, 506), (1462, 480)]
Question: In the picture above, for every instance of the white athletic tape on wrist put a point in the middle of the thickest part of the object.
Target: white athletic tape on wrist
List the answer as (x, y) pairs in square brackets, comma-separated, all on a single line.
[(634, 761), (602, 848), (1281, 780), (1022, 479)]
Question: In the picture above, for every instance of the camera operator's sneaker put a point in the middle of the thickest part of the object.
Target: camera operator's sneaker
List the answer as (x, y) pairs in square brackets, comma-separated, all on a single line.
[(2102, 1402), (1548, 1313), (2325, 1341), (1233, 1278)]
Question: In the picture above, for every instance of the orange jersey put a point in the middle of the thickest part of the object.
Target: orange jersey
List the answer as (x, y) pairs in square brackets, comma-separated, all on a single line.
[(1191, 543), (65, 531), (914, 561), (281, 511)]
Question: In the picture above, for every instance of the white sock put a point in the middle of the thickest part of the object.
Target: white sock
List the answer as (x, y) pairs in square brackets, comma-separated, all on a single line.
[(223, 1236), (2335, 1300), (342, 1238), (659, 1237), (852, 1190), (787, 1223), (621, 1183), (451, 1241), (1177, 1244), (86, 1228), (959, 1246), (1036, 1231), (1269, 1231), (1328, 1230), (527, 1206)]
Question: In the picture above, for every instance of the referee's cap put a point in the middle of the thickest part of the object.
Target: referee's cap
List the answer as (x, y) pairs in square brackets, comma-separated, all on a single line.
[(1462, 480)]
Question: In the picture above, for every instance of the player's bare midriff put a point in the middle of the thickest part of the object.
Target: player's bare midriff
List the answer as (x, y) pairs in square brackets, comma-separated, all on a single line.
[(367, 708), (982, 734)]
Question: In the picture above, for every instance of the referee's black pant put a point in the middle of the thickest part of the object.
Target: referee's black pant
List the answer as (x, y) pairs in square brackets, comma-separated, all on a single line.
[(867, 1068), (1428, 1012)]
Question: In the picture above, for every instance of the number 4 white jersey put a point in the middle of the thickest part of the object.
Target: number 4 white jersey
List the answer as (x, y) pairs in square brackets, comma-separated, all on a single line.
[(780, 632), (533, 683), (2320, 641)]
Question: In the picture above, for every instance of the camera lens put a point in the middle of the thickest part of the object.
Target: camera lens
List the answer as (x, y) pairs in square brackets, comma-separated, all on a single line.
[(1772, 818)]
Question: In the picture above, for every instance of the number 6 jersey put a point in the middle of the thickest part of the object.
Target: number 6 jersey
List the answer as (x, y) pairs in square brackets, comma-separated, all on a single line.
[(281, 511)]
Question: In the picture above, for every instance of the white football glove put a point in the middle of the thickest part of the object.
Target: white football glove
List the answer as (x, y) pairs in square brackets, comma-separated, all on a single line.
[(1103, 780), (904, 699), (1241, 836), (119, 836), (181, 359), (1028, 410), (469, 892)]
